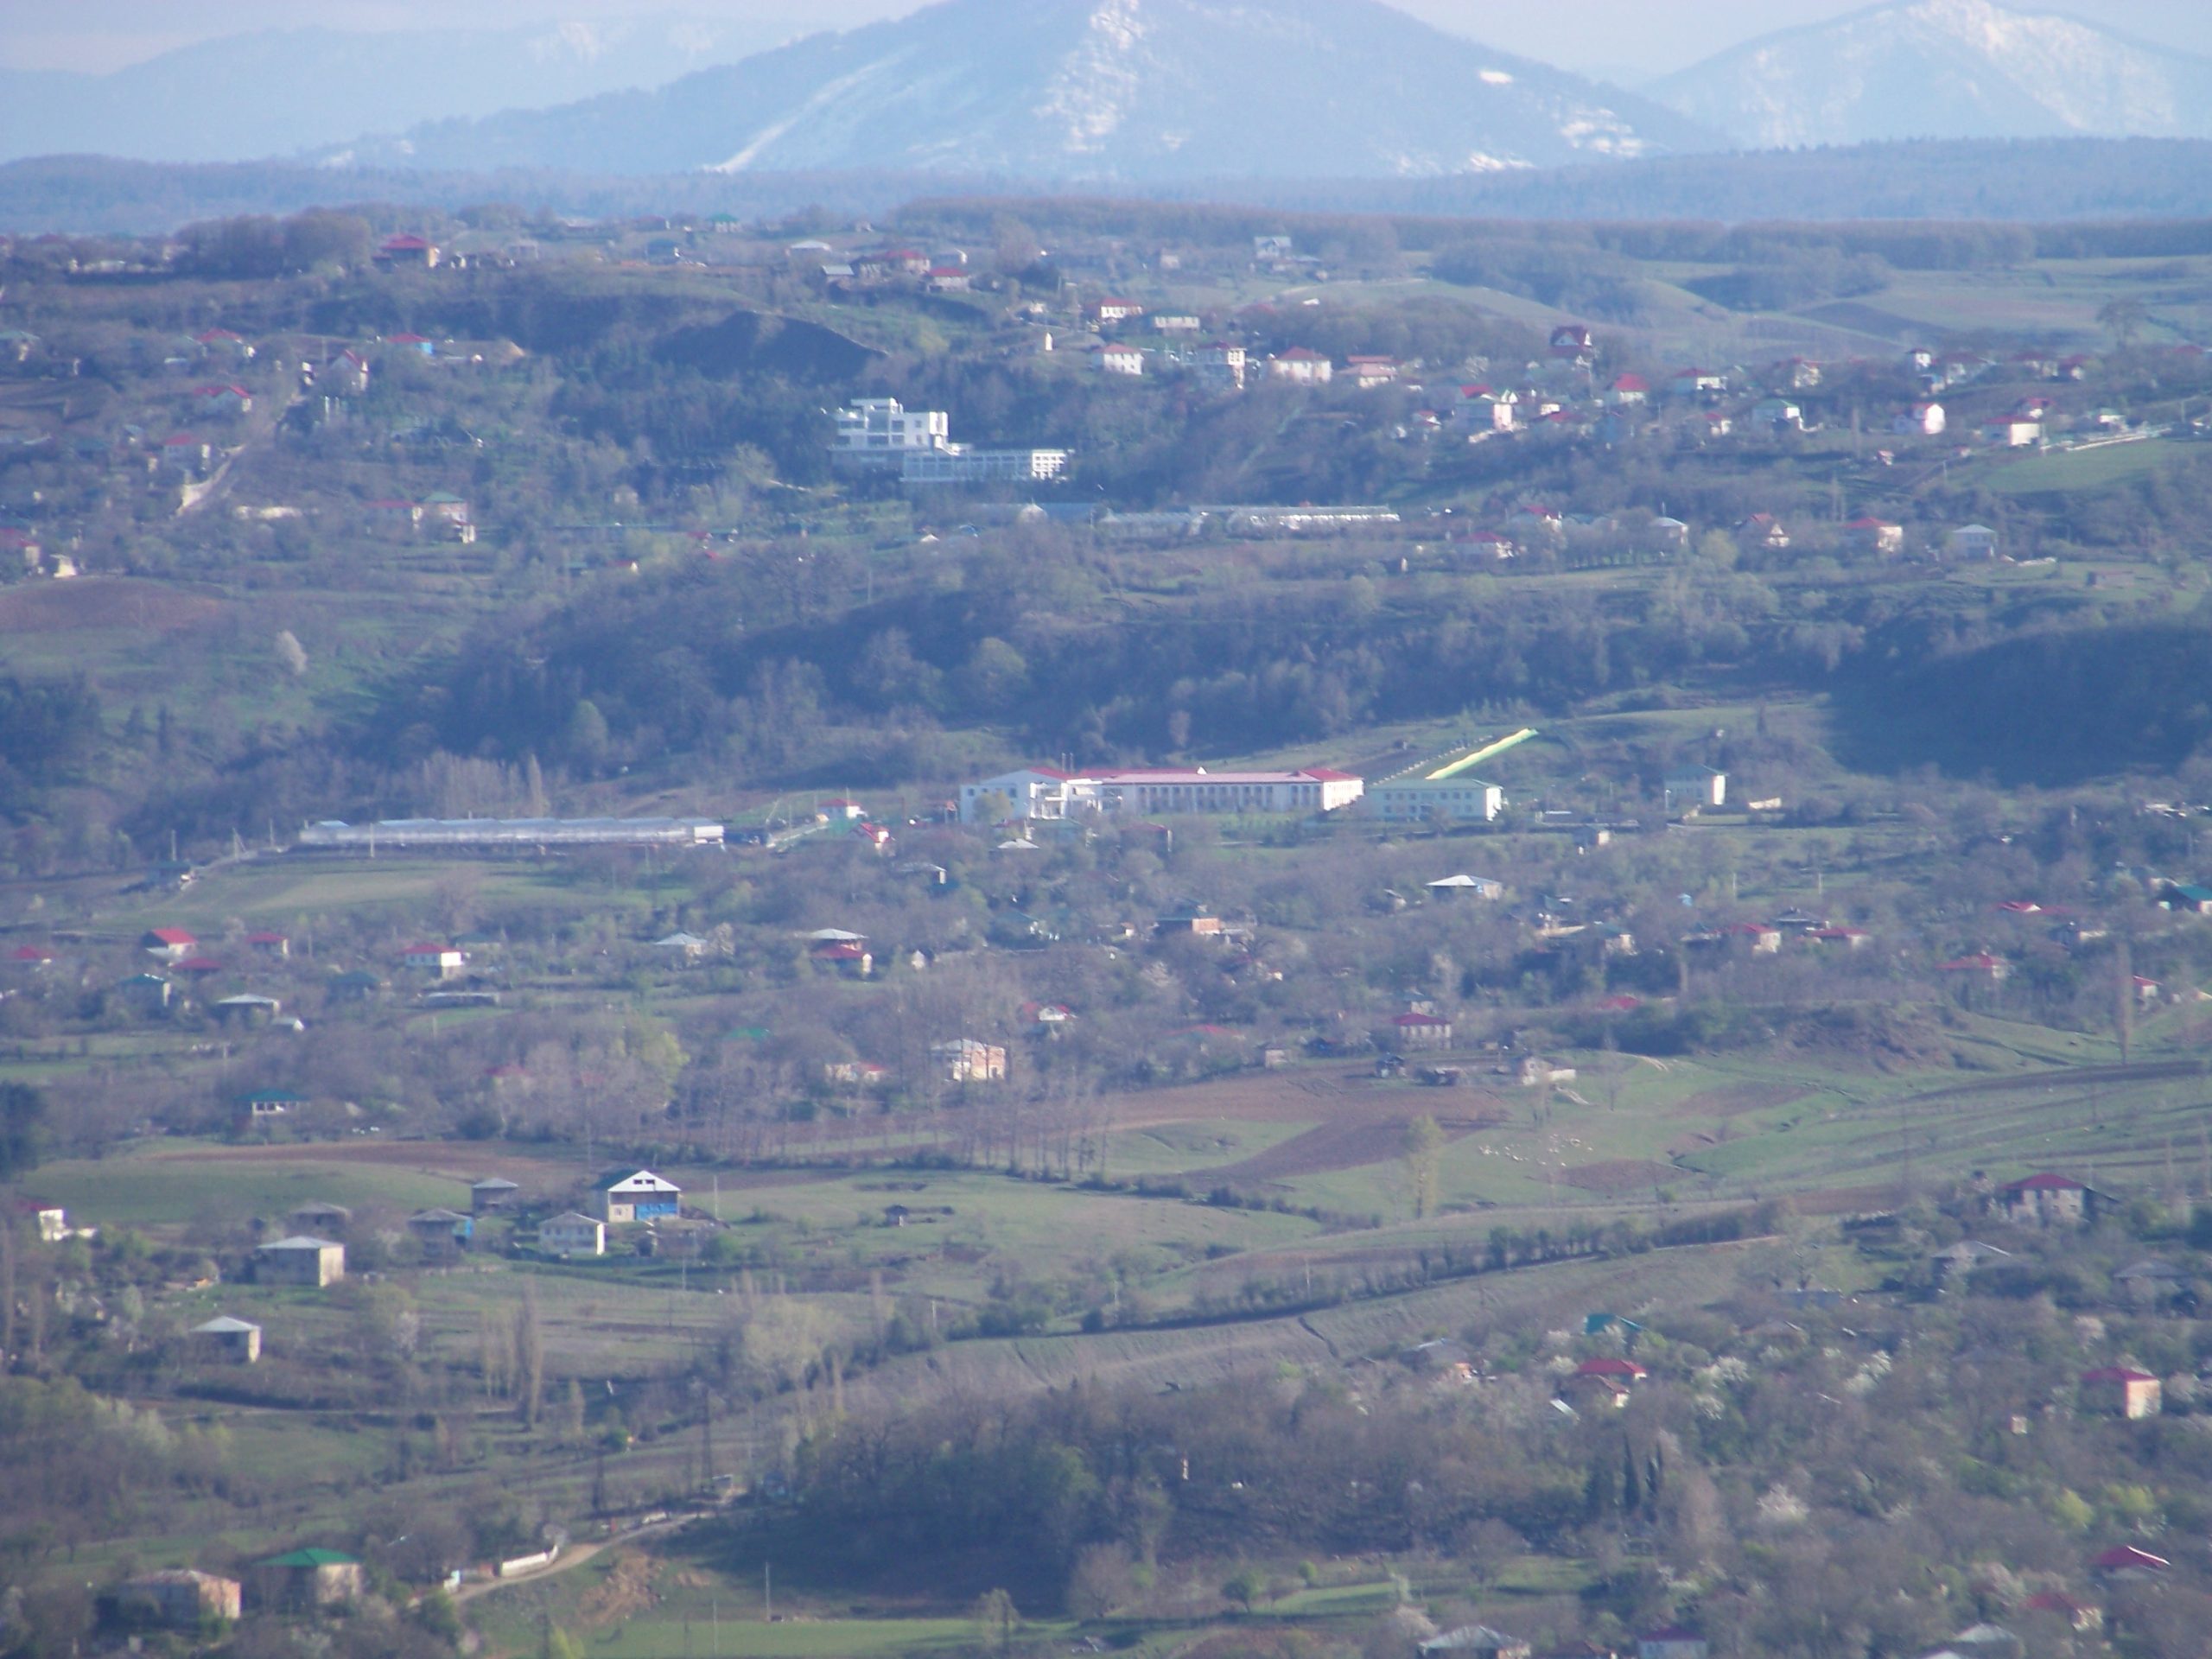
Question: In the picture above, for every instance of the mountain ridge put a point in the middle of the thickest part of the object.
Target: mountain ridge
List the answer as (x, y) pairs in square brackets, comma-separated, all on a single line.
[(1943, 69), (1105, 90)]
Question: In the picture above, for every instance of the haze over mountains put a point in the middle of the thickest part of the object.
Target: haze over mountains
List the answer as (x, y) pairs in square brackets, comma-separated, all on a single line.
[(1944, 69), (1127, 90), (279, 91), (1142, 95)]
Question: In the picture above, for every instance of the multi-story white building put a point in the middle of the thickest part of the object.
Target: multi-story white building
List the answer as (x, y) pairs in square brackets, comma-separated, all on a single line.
[(879, 434), (1420, 800), (957, 464), (1048, 792)]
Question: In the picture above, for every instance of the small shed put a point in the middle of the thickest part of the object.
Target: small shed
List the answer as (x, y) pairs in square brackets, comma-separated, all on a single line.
[(224, 1337), (302, 1259)]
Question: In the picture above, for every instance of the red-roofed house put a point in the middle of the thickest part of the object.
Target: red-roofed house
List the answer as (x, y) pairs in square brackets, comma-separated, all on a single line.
[(233, 397), (2047, 1200), (1422, 1031), (410, 250), (1627, 1370), (439, 960), (1874, 535), (1981, 966), (2127, 1564), (1629, 389), (2122, 1391), (30, 959), (268, 944), (1572, 340), (169, 944), (844, 957)]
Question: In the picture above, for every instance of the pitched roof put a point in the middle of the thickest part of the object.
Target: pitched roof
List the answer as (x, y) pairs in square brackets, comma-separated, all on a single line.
[(2045, 1183), (223, 1325), (2117, 1374)]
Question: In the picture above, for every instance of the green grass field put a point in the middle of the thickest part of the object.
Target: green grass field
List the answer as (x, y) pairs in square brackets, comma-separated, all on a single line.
[(2078, 471)]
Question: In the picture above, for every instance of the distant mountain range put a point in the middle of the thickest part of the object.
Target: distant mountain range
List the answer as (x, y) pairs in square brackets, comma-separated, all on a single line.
[(1118, 91), (1944, 69), (1294, 102), (281, 92)]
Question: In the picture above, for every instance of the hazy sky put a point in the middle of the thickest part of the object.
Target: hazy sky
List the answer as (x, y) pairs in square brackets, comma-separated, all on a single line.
[(1628, 39)]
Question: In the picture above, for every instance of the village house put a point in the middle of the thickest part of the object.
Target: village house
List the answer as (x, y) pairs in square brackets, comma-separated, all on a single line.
[(1418, 1030), (1369, 372), (847, 958), (1777, 415), (2149, 1282), (640, 1196), (268, 944), (168, 943), (571, 1235), (1120, 359), (2125, 1564), (1629, 391), (2078, 1614), (442, 1232), (306, 1581), (2012, 432), (229, 399), (1107, 312), (147, 992), (492, 1193), (2120, 1391), (1873, 535), (1220, 365), (1964, 1259), (1301, 368), (410, 250), (1925, 419), (301, 1259), (1691, 789), (438, 961), (965, 1059), (223, 1338), (1694, 384), (2047, 1200), (1971, 542), (1573, 342), (1982, 967), (1463, 886), (178, 1598)]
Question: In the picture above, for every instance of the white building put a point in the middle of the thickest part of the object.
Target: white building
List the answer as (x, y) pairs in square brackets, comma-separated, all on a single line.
[(1972, 541), (1121, 360), (574, 1234), (1696, 786), (1419, 800), (1302, 367), (956, 463), (878, 433), (1047, 792), (641, 1196)]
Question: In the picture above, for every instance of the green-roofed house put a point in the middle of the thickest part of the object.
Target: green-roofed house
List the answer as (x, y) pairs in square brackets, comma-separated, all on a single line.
[(2188, 896), (305, 1579)]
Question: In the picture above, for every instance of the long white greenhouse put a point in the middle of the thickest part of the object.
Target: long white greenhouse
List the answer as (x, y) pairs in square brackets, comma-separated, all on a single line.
[(506, 835)]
